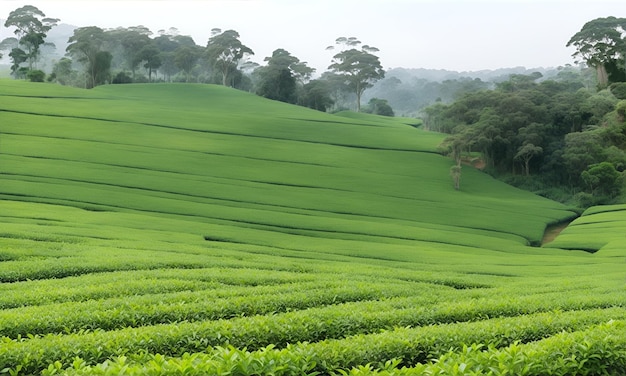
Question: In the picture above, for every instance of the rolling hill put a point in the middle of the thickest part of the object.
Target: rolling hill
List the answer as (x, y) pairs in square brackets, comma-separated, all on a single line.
[(166, 225)]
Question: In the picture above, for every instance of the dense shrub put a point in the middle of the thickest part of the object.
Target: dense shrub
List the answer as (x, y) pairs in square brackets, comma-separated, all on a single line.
[(122, 78), (36, 75)]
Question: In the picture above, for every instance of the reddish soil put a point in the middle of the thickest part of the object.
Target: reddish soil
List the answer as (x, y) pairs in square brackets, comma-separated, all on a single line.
[(477, 163)]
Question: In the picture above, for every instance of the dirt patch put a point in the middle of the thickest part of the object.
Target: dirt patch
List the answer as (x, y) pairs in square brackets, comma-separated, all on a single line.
[(475, 162), (553, 231)]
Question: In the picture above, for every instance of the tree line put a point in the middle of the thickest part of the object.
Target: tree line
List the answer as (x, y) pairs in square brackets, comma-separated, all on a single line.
[(558, 137), (97, 56)]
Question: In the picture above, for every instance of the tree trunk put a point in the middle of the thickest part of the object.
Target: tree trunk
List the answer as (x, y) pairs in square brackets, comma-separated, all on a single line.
[(358, 97), (603, 78), (527, 166)]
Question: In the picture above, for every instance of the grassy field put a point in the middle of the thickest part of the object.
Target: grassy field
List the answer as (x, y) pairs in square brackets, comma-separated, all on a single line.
[(195, 229)]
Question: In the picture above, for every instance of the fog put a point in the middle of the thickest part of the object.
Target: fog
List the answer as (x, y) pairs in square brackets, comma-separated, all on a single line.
[(454, 35)]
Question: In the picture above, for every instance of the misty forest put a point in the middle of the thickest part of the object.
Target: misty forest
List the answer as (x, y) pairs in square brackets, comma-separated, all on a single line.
[(172, 207)]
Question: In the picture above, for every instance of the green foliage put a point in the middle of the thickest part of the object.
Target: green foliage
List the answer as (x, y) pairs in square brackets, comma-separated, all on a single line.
[(600, 44), (277, 80), (18, 56), (620, 108), (86, 46), (455, 173), (122, 78), (545, 129), (356, 69), (603, 179), (133, 42), (194, 229), (380, 107), (224, 51), (316, 95), (36, 75), (31, 27), (185, 58)]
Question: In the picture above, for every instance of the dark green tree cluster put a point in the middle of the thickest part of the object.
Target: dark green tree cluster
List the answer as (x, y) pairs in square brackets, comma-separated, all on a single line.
[(379, 107), (540, 134), (125, 55), (283, 78), (553, 133)]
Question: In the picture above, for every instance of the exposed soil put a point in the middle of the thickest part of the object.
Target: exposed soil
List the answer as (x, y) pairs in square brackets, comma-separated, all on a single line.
[(553, 231), (477, 163)]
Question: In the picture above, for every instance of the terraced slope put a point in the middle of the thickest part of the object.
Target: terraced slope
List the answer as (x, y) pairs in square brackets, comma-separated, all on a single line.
[(599, 229), (193, 228)]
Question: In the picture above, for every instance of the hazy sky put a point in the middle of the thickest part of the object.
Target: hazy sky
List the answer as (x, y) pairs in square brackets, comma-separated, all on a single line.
[(440, 34)]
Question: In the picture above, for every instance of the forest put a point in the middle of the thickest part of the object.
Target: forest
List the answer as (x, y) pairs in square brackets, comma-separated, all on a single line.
[(556, 138), (561, 137), (560, 134), (96, 56)]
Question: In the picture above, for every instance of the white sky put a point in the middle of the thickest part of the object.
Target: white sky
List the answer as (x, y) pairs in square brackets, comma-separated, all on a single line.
[(438, 34)]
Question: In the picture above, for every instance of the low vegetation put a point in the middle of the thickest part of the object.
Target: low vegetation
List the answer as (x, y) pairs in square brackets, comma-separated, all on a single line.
[(196, 229)]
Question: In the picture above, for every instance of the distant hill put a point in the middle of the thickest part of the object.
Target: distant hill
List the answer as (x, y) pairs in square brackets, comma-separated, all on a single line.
[(408, 90), (439, 75)]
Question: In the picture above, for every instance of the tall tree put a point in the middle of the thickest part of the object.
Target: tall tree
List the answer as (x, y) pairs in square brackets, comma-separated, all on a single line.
[(168, 42), (225, 51), (62, 71), (131, 40), (601, 45), (186, 58), (31, 28), (86, 45), (280, 78), (358, 68), (455, 173), (316, 95), (525, 153), (380, 107), (151, 55), (18, 56), (102, 67)]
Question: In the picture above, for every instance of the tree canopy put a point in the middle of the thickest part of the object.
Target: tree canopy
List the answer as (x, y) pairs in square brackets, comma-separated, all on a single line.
[(86, 45), (601, 44), (358, 69), (540, 134), (31, 28), (283, 77), (224, 52)]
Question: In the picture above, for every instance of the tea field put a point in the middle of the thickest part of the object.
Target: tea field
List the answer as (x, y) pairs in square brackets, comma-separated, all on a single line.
[(178, 229)]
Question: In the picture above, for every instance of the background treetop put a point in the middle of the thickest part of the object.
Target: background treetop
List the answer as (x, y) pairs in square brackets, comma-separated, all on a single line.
[(601, 44)]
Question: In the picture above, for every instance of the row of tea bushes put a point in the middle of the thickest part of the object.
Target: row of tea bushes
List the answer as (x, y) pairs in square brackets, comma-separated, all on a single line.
[(584, 348), (411, 345)]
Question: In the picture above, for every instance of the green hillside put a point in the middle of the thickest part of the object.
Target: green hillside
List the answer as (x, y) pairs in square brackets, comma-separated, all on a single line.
[(149, 227)]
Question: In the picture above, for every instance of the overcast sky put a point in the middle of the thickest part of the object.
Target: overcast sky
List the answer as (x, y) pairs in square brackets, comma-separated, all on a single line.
[(439, 34)]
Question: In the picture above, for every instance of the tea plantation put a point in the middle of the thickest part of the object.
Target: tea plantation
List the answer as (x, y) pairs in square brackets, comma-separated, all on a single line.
[(177, 229)]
